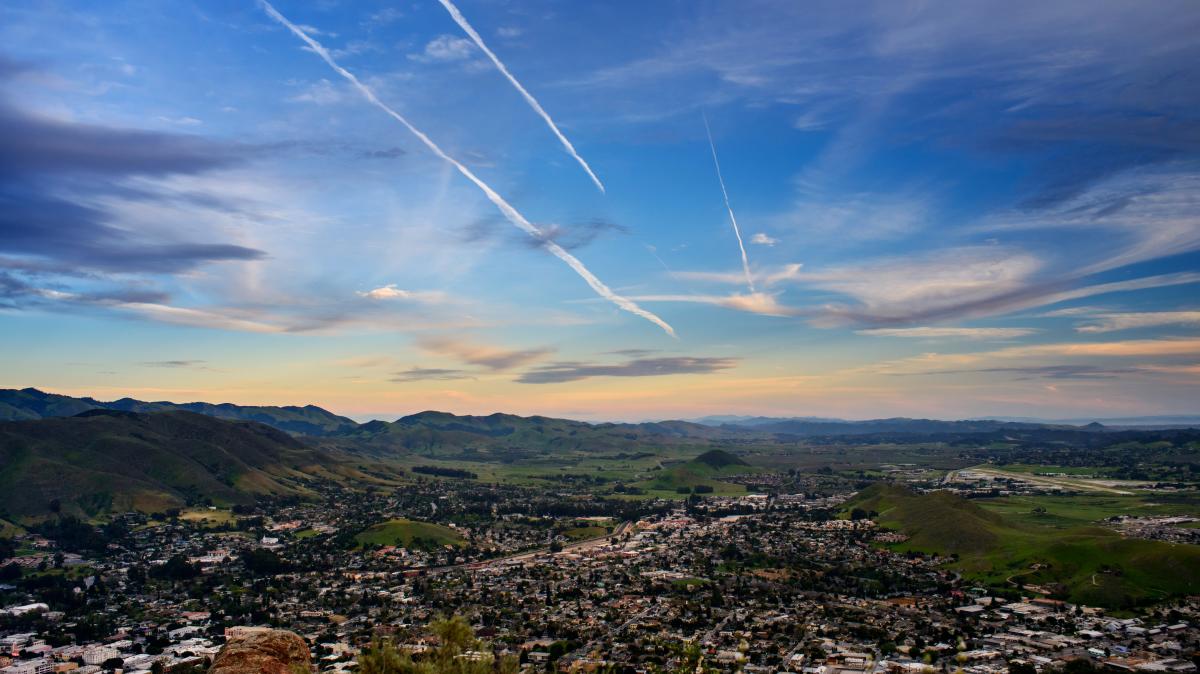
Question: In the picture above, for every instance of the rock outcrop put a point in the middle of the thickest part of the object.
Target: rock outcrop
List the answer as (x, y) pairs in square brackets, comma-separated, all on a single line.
[(266, 652)]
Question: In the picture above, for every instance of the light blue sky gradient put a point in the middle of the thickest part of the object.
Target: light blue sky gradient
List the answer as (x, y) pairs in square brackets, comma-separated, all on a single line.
[(950, 209)]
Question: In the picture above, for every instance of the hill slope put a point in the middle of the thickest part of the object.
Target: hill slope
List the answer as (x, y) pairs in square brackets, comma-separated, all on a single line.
[(103, 460), (1091, 565)]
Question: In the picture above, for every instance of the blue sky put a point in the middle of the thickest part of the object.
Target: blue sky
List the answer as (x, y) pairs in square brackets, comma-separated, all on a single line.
[(949, 209)]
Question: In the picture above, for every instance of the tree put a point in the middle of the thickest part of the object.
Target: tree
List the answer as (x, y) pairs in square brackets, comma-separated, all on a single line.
[(457, 652)]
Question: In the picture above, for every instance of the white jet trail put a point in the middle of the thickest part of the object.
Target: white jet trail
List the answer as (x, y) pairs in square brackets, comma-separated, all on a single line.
[(737, 232), (537, 107), (509, 212)]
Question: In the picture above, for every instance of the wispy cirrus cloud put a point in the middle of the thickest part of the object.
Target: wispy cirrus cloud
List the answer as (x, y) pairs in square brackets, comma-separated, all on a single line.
[(1113, 322), (557, 373), (948, 332)]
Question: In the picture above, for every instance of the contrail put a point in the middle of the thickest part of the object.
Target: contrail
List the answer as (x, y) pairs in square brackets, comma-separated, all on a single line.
[(737, 232), (509, 212), (537, 107)]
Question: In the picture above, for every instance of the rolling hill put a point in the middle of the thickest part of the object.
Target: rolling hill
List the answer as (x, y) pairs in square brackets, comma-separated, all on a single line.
[(103, 460), (30, 403), (1088, 564), (507, 437)]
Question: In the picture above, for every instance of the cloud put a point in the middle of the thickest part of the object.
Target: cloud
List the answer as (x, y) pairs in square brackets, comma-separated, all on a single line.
[(483, 355), (511, 214), (763, 240), (761, 303), (181, 121), (32, 145), (1082, 372), (935, 333), (764, 277), (445, 49), (321, 92), (383, 17), (67, 232), (430, 374), (391, 292), (386, 153), (558, 373), (573, 237), (187, 364), (1127, 321)]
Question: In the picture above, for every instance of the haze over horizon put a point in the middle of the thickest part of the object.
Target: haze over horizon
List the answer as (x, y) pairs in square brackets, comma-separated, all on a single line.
[(944, 210)]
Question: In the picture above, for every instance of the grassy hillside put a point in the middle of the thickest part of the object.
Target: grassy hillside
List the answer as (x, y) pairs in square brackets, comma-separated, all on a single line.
[(718, 459), (1087, 564), (103, 460), (403, 532)]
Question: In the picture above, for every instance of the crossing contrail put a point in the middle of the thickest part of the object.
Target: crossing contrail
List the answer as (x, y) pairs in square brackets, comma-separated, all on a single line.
[(509, 212), (737, 232), (537, 107)]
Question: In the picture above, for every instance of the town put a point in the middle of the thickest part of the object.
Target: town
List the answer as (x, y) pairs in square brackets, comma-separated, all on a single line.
[(760, 583)]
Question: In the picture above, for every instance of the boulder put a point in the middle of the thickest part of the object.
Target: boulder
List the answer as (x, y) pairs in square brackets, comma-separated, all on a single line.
[(266, 652)]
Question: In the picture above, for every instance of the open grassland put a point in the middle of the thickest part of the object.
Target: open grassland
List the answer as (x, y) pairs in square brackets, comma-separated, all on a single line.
[(404, 532), (1080, 562)]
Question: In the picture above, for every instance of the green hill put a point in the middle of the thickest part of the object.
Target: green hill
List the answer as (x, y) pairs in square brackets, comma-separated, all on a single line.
[(703, 471), (410, 534), (105, 460), (1088, 564), (719, 458)]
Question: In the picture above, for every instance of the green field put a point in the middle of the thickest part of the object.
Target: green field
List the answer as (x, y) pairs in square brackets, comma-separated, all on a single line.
[(208, 517), (1083, 509), (582, 533), (1076, 561), (403, 532)]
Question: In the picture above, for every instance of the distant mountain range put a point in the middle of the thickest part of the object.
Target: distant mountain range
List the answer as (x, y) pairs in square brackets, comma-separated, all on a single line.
[(432, 430), (30, 403), (1161, 421)]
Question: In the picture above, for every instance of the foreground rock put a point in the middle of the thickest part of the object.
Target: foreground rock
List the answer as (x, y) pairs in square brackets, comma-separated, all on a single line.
[(267, 652)]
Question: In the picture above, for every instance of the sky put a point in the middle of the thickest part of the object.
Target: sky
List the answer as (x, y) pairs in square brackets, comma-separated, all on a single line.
[(605, 211)]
